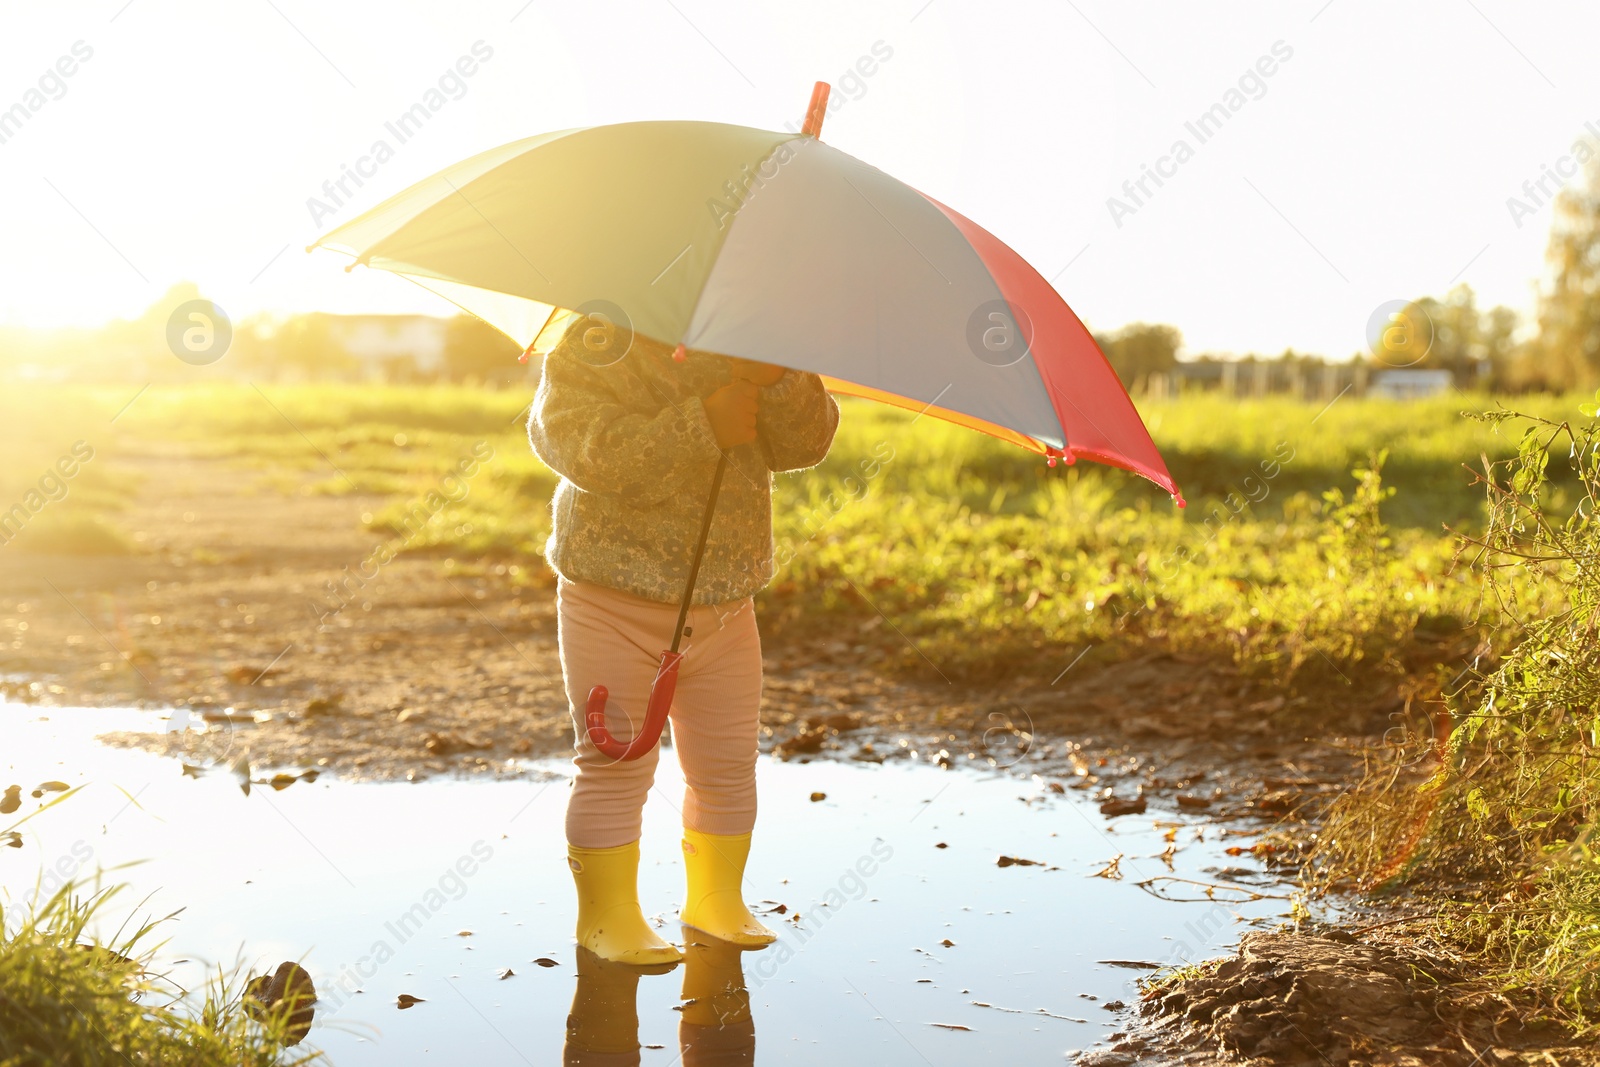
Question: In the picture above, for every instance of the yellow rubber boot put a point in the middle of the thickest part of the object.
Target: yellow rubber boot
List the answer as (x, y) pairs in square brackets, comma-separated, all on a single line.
[(714, 991), (603, 1026), (609, 921), (715, 904)]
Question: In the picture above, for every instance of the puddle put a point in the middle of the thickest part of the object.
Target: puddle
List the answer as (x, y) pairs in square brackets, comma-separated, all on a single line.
[(913, 944)]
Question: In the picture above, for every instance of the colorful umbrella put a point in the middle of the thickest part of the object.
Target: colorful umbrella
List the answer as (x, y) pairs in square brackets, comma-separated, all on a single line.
[(766, 246)]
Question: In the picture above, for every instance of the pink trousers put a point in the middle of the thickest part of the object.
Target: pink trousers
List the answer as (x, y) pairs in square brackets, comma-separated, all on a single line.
[(614, 639)]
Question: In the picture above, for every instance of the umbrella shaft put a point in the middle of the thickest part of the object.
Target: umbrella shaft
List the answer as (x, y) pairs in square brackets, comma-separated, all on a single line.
[(699, 551)]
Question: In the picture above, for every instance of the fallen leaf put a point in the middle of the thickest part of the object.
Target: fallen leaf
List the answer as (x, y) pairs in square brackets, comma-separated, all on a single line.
[(463, 933), (947, 943), (546, 961), (1016, 861), (328, 705), (12, 838), (12, 800), (281, 782), (941, 844), (445, 744), (241, 768), (818, 796), (952, 1026), (1123, 806), (507, 973), (51, 787), (405, 1000), (191, 771), (1112, 870)]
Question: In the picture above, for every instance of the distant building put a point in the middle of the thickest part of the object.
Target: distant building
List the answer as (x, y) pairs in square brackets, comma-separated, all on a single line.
[(391, 346), (1309, 380), (1410, 384)]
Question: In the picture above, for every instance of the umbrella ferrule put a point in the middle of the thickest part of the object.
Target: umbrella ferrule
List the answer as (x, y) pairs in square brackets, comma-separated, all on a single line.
[(816, 110)]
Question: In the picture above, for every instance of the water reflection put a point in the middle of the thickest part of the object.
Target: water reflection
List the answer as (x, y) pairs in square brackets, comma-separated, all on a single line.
[(716, 1028)]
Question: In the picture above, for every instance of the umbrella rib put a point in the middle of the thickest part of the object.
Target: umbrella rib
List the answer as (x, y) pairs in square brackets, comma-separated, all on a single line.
[(896, 229), (496, 229)]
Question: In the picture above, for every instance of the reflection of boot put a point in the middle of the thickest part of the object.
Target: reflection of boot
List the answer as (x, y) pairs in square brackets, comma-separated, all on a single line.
[(716, 1030), (609, 921), (715, 903), (603, 1028)]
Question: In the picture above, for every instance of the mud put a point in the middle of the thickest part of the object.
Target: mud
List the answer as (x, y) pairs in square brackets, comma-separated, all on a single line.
[(1330, 998)]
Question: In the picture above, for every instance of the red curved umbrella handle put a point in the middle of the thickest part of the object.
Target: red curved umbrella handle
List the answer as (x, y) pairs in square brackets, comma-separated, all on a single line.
[(655, 714)]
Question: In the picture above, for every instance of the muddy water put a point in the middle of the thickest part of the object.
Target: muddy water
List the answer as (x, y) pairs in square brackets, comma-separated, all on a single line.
[(912, 944)]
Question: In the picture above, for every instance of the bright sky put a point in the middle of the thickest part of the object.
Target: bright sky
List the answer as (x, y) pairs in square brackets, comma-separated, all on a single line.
[(1374, 163)]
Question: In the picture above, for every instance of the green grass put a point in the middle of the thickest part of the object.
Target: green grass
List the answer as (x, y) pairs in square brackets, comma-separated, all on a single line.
[(67, 999), (948, 553), (58, 492), (1492, 819)]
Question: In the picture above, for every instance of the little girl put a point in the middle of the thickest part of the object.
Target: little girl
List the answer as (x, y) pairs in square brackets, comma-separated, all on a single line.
[(636, 436)]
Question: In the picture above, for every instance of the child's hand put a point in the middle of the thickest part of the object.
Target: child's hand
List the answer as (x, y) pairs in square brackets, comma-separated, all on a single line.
[(731, 411), (752, 371)]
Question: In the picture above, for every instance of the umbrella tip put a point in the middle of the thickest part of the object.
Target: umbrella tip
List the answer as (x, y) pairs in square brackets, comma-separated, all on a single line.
[(816, 110), (1177, 498), (679, 354)]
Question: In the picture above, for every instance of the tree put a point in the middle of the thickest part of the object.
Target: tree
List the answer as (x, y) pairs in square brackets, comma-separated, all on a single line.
[(474, 349), (1568, 349), (1140, 349), (301, 346), (1458, 337)]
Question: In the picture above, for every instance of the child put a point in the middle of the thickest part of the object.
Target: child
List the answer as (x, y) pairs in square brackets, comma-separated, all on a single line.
[(636, 436)]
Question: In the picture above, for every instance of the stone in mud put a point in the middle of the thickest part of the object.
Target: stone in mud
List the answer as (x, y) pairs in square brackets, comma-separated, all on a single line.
[(807, 742), (287, 994)]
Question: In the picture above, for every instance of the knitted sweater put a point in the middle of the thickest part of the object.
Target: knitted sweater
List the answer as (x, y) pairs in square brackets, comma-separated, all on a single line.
[(629, 436)]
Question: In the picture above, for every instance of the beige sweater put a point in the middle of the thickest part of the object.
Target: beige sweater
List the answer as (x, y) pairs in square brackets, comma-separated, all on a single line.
[(630, 439)]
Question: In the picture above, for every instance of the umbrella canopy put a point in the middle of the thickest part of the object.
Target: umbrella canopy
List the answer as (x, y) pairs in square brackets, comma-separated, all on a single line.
[(767, 246)]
